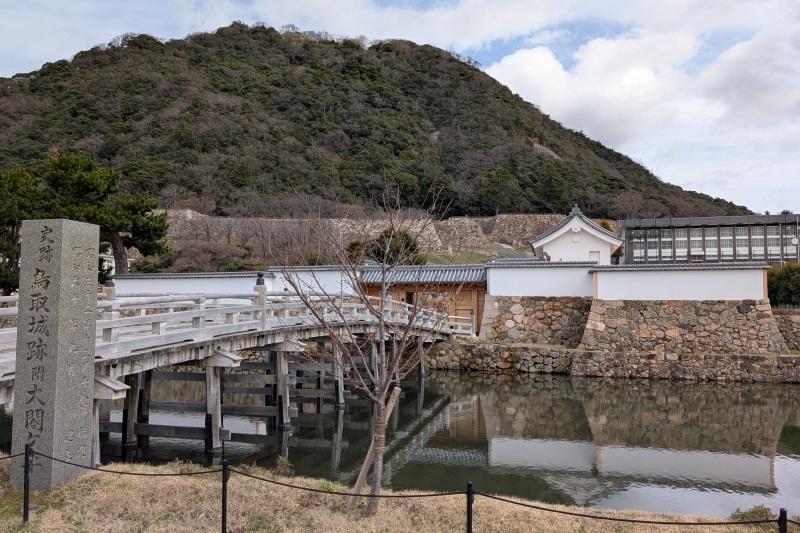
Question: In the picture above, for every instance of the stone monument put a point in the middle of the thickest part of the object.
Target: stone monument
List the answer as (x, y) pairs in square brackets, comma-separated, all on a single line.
[(54, 376)]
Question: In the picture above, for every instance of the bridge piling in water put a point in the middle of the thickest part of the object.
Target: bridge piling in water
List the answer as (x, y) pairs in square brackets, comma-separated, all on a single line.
[(213, 409), (130, 413), (143, 410)]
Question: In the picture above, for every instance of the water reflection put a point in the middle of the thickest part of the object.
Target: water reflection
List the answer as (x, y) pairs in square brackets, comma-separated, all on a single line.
[(700, 448), (630, 443)]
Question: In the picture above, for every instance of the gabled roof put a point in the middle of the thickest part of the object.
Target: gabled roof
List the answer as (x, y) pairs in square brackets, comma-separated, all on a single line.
[(575, 217), (432, 275)]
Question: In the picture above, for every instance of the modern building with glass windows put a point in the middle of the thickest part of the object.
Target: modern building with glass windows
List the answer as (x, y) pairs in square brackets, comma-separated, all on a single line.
[(770, 238)]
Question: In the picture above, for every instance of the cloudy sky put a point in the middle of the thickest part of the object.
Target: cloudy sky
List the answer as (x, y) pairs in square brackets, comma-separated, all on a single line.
[(705, 93)]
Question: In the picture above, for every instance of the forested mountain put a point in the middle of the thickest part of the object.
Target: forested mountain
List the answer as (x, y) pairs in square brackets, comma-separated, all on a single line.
[(240, 120)]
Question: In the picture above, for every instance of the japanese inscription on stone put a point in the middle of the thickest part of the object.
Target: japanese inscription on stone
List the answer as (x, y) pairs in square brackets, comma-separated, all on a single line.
[(54, 375)]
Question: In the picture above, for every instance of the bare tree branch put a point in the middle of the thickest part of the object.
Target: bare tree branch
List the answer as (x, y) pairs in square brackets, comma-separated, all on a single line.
[(383, 345)]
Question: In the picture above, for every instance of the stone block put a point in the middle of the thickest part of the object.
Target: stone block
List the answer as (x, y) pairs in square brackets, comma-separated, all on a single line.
[(54, 378)]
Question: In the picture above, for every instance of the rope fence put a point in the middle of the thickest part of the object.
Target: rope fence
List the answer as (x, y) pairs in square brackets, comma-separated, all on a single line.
[(153, 474), (629, 520), (782, 521), (432, 495), (12, 456)]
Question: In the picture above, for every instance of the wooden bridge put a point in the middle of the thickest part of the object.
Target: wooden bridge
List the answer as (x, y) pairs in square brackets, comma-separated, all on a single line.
[(136, 334)]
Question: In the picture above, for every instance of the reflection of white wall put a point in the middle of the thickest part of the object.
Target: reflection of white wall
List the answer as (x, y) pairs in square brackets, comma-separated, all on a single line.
[(545, 454), (689, 284), (700, 467), (636, 463), (549, 280)]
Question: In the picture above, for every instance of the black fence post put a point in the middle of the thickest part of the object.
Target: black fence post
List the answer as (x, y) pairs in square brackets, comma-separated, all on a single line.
[(225, 475), (26, 483), (209, 437), (470, 498), (783, 522)]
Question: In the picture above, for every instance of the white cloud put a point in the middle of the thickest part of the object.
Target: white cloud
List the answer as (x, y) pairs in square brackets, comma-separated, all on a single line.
[(616, 90), (546, 37), (757, 81)]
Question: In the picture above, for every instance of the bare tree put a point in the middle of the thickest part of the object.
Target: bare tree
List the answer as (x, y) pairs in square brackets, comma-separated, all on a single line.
[(380, 355), (630, 204)]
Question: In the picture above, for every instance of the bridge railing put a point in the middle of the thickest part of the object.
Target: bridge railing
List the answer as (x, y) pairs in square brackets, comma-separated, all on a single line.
[(8, 306), (138, 321)]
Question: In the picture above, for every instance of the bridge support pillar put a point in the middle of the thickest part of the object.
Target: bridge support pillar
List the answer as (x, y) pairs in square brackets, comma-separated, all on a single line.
[(338, 376), (396, 357), (106, 389), (336, 445), (373, 361), (421, 357), (130, 412), (282, 389), (143, 409), (214, 409)]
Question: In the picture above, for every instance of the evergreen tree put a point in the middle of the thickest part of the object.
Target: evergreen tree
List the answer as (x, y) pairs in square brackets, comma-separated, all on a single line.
[(76, 187)]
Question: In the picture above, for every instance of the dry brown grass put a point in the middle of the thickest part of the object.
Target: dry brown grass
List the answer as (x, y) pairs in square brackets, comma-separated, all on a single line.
[(112, 502)]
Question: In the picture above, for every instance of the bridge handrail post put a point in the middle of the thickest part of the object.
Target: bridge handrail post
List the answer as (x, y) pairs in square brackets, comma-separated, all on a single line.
[(284, 312), (386, 308), (199, 321), (109, 290), (112, 313), (261, 301)]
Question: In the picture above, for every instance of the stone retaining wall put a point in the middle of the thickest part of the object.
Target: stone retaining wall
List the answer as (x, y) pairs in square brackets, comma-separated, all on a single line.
[(535, 320), (500, 358), (789, 325), (683, 327), (462, 233), (702, 367)]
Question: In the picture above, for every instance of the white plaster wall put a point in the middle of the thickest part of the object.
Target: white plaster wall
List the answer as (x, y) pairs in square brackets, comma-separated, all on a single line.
[(564, 248), (331, 282), (681, 285), (539, 281), (190, 285)]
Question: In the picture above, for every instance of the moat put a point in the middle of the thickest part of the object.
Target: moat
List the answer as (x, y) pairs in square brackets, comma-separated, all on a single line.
[(663, 446)]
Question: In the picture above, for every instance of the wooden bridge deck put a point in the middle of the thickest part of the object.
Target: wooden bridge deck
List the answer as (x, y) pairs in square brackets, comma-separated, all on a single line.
[(140, 332)]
